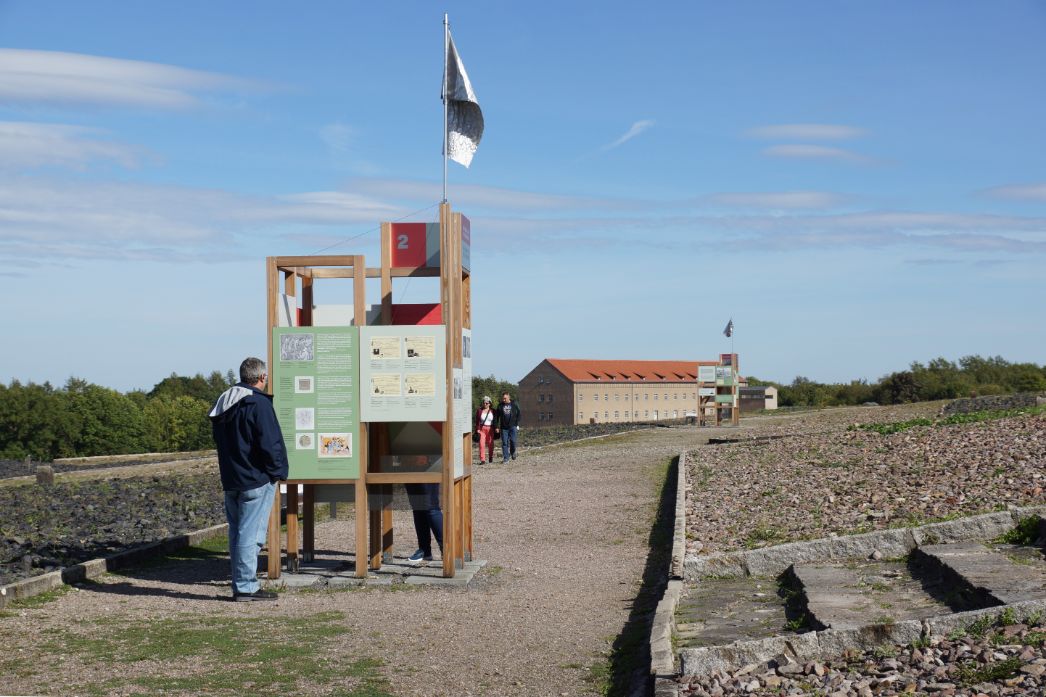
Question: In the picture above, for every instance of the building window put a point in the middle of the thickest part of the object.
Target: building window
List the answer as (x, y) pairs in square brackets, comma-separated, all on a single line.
[(550, 415), (655, 397), (541, 398), (646, 396), (550, 398), (675, 414), (675, 396), (606, 397), (596, 396), (606, 415), (617, 415), (580, 415), (626, 414), (580, 397), (666, 397), (646, 413), (541, 416)]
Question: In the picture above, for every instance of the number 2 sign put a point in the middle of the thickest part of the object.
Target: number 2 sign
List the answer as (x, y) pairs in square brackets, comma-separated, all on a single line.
[(415, 244)]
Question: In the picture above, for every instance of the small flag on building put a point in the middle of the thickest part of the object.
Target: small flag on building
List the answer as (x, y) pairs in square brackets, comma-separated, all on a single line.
[(729, 329), (464, 117)]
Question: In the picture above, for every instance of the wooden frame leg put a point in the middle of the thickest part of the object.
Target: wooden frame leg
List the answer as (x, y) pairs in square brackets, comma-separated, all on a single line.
[(292, 528), (308, 523), (275, 547)]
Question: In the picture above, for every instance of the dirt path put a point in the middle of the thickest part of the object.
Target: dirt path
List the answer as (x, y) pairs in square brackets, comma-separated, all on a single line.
[(565, 532)]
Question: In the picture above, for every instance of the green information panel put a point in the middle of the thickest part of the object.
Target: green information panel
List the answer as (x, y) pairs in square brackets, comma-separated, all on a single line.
[(315, 386)]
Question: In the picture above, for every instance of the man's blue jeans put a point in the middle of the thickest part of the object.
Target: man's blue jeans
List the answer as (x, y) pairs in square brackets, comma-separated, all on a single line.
[(248, 516), (508, 441)]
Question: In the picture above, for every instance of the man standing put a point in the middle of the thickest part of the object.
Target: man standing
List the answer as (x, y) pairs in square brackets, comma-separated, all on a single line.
[(251, 459), (508, 424)]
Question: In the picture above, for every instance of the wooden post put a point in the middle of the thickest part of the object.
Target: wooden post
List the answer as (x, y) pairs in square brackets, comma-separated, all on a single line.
[(292, 528)]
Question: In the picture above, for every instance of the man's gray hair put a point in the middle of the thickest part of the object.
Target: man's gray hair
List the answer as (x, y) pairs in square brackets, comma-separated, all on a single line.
[(251, 370)]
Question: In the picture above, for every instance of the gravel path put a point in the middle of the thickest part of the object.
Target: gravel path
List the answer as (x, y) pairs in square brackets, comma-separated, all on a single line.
[(565, 532)]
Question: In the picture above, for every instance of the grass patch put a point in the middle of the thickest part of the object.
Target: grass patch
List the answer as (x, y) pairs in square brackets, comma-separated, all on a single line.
[(219, 655), (973, 673), (1025, 532), (969, 418)]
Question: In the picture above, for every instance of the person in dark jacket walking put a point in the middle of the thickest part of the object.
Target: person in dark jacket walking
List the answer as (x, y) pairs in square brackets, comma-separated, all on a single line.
[(508, 424), (251, 459)]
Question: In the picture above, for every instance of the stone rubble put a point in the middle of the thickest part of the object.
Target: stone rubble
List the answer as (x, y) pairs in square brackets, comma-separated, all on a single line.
[(1008, 660)]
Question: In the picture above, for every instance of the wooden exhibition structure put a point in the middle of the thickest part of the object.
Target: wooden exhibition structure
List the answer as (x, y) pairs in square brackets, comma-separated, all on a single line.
[(718, 398), (294, 276)]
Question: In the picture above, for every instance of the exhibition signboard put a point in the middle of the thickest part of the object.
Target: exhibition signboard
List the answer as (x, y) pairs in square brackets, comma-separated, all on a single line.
[(403, 373), (315, 387)]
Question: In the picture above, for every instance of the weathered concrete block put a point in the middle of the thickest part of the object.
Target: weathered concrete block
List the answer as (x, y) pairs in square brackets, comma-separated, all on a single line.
[(771, 561), (45, 475), (981, 527)]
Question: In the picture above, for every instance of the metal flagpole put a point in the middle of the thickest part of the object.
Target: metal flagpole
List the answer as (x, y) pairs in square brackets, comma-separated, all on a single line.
[(446, 101)]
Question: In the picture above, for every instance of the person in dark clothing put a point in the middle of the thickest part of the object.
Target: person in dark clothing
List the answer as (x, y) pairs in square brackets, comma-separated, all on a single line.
[(251, 459), (508, 425), (428, 519)]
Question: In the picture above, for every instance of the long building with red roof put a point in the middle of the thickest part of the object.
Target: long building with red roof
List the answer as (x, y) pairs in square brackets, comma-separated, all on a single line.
[(562, 391)]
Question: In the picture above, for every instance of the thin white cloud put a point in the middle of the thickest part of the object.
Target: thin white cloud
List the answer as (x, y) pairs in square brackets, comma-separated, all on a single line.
[(40, 144), (474, 196), (806, 131), (44, 77), (1018, 192), (338, 136), (779, 199), (54, 220), (636, 128), (815, 152)]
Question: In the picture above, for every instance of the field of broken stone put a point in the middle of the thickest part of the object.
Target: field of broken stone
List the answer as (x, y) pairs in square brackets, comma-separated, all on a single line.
[(853, 470)]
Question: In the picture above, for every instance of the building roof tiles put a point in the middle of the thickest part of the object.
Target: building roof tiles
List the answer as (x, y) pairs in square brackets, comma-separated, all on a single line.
[(581, 370)]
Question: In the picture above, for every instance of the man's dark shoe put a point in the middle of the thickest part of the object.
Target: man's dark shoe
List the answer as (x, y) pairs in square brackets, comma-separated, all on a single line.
[(513, 456), (259, 594)]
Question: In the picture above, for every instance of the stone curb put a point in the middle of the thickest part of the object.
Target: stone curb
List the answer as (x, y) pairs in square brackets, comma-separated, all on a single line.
[(771, 561), (662, 653), (93, 568), (829, 643)]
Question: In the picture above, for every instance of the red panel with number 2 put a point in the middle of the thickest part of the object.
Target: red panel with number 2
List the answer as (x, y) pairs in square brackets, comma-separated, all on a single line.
[(408, 244)]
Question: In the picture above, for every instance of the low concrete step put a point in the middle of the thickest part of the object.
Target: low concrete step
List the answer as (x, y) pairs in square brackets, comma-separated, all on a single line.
[(720, 611), (860, 593), (998, 574)]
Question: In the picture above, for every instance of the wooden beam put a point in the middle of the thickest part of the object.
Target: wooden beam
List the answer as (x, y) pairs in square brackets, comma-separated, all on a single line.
[(308, 522), (292, 528), (404, 477)]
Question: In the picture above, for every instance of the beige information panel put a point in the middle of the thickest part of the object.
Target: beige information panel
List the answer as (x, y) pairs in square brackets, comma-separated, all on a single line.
[(403, 373)]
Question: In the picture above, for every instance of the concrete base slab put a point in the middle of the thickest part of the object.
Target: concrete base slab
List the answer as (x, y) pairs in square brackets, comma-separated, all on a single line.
[(340, 572), (862, 593), (993, 571)]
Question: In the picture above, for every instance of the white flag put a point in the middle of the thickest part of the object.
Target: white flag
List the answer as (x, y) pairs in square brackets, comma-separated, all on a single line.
[(464, 117), (729, 330)]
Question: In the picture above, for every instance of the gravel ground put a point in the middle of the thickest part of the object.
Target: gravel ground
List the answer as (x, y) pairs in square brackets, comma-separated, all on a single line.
[(1008, 660), (809, 475), (565, 533)]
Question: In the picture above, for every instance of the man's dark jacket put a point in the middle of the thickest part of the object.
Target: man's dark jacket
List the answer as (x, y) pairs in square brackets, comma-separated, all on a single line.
[(250, 445), (508, 421)]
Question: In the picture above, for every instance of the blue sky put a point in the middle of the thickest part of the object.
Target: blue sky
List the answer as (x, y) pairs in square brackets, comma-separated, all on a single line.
[(858, 185)]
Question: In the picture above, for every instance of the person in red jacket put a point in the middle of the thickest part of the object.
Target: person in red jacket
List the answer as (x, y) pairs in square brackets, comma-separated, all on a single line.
[(486, 417)]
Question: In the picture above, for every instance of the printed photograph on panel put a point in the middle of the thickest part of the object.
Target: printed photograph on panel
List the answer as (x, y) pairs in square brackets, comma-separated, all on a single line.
[(297, 347), (384, 347), (335, 445), (421, 346), (466, 346), (303, 384), (385, 385), (458, 387), (305, 441), (420, 384), (305, 418)]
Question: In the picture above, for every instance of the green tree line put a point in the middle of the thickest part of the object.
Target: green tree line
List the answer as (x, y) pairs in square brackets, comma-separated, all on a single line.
[(82, 419), (970, 376)]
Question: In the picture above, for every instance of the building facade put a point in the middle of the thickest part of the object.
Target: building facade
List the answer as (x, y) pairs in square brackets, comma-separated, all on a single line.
[(570, 391)]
